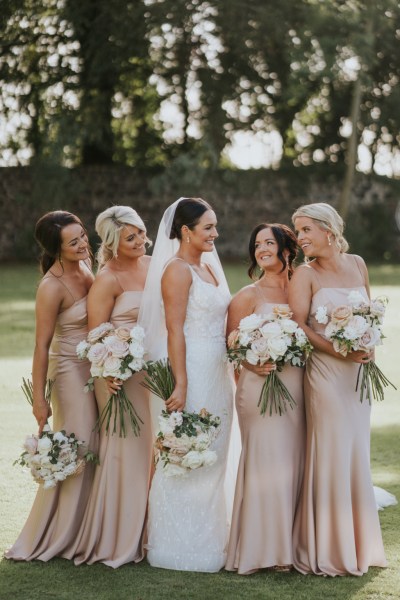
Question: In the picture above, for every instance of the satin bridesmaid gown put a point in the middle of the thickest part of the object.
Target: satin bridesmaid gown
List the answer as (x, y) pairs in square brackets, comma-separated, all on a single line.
[(57, 513), (270, 474), (113, 529), (337, 529)]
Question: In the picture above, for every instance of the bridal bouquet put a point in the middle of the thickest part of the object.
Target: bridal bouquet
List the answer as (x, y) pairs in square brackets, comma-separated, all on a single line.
[(53, 456), (184, 439), (276, 338), (358, 326), (114, 352)]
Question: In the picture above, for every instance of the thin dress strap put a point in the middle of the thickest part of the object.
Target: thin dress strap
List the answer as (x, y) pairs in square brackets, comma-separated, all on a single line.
[(118, 281), (359, 270), (64, 284)]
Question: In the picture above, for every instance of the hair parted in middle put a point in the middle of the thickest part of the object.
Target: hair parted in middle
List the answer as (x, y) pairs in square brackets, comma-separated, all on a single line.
[(109, 225), (188, 212), (286, 240)]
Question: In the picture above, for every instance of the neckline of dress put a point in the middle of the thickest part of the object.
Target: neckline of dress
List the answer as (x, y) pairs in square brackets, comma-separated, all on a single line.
[(203, 280), (73, 304)]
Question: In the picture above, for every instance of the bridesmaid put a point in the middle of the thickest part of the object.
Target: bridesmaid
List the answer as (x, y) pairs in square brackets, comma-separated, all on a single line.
[(61, 321), (271, 463), (114, 522), (337, 528)]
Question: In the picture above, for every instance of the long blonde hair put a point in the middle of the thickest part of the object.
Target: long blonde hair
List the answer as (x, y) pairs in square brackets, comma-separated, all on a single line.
[(327, 218), (109, 225)]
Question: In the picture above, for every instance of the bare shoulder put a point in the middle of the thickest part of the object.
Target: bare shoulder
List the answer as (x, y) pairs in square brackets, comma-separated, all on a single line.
[(50, 287), (245, 295), (178, 271), (359, 260), (105, 280), (304, 272)]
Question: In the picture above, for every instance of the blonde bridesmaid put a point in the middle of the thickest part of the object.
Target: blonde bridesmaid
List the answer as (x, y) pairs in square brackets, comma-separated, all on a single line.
[(337, 529), (61, 323), (271, 463), (114, 524)]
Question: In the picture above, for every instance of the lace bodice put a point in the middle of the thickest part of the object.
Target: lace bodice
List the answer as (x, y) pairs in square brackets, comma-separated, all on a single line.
[(206, 310)]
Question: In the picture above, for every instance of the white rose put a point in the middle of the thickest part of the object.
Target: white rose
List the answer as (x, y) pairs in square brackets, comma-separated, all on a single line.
[(300, 337), (164, 426), (124, 375), (193, 460), (244, 338), (116, 347), (123, 334), (251, 322), (136, 364), (175, 419), (271, 330), (209, 458), (98, 354), (82, 349), (44, 445), (136, 349), (355, 298), (46, 427), (288, 325), (330, 330), (357, 324), (371, 338), (251, 357), (321, 315), (96, 371), (277, 347), (172, 470), (260, 346), (60, 437), (112, 366), (137, 333)]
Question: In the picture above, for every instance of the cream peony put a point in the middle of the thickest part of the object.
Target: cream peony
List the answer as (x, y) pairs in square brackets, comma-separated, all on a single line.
[(193, 460), (356, 327), (282, 311), (136, 349), (137, 333), (116, 347), (123, 334), (341, 315), (251, 357), (98, 354), (288, 325), (112, 366), (277, 347), (271, 330), (253, 321), (371, 338)]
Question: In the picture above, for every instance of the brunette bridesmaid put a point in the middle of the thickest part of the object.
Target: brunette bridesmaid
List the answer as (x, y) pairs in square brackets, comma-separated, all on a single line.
[(114, 524), (337, 528), (271, 463), (61, 323)]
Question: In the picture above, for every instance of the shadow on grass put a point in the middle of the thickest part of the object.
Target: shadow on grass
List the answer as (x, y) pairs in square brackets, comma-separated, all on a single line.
[(61, 580)]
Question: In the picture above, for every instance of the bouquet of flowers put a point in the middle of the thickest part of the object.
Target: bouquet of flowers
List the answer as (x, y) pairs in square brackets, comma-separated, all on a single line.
[(276, 338), (358, 326), (53, 456), (184, 439), (114, 352)]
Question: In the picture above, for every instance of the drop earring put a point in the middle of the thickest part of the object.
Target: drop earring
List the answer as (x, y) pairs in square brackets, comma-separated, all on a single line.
[(188, 240), (329, 241)]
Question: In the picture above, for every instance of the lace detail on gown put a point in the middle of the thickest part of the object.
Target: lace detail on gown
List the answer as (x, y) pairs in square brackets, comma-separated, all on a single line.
[(188, 525)]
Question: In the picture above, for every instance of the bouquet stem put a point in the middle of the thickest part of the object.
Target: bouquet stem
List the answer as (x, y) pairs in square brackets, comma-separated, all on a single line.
[(275, 396), (372, 381), (117, 406), (159, 379)]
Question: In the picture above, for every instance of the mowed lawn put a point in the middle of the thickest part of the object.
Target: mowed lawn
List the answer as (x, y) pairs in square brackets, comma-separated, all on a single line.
[(60, 580)]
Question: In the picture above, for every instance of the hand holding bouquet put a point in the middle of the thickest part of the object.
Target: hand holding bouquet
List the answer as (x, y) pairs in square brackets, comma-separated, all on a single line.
[(114, 352), (270, 338), (184, 438), (358, 326), (53, 456)]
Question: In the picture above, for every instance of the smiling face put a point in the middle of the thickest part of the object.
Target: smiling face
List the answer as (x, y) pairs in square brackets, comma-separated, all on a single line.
[(74, 243), (131, 242), (266, 250), (202, 236), (312, 239)]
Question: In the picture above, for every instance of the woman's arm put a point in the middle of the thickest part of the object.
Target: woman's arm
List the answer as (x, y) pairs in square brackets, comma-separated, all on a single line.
[(300, 297), (242, 305), (175, 286), (49, 299)]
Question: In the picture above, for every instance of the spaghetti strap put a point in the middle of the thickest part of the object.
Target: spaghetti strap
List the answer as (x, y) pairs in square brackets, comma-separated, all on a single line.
[(118, 281), (359, 270), (318, 279), (64, 284)]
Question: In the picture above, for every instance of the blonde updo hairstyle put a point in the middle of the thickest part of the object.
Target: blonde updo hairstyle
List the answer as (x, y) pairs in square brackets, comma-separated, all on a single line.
[(109, 225), (327, 218)]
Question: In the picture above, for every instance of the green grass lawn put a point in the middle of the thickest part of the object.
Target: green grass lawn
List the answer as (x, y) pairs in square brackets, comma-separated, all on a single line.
[(59, 579)]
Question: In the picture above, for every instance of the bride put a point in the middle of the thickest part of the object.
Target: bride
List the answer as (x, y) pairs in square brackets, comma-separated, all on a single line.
[(188, 517)]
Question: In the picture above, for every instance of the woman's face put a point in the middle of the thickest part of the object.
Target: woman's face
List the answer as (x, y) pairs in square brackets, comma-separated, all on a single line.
[(266, 250), (131, 242), (204, 233), (311, 238), (74, 243)]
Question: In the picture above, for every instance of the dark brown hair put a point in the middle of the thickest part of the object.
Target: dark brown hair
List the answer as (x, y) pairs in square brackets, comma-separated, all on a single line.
[(48, 235), (188, 212), (286, 240)]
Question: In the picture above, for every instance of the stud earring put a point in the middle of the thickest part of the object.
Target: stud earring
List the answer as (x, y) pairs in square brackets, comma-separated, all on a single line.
[(60, 260)]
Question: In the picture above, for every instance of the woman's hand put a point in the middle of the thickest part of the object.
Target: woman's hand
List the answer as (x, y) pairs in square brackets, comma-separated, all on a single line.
[(41, 411), (262, 370), (177, 400), (359, 356), (113, 385)]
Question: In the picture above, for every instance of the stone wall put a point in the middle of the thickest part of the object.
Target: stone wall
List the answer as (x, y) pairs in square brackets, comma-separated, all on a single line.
[(241, 200)]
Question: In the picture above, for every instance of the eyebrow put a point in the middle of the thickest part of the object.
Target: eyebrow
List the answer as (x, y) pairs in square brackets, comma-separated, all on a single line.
[(271, 239)]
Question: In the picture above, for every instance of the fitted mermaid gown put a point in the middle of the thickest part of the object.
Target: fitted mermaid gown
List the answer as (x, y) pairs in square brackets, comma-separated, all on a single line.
[(270, 473), (114, 525), (337, 529), (188, 518), (57, 513)]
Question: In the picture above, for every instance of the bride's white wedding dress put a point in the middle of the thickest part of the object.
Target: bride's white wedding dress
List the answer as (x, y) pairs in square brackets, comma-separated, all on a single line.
[(188, 521)]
